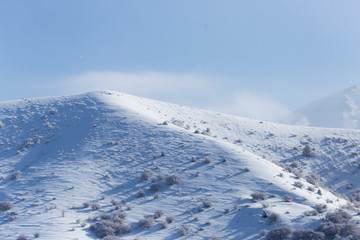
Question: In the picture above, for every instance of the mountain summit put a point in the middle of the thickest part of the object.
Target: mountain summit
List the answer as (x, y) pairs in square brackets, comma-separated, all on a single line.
[(338, 110)]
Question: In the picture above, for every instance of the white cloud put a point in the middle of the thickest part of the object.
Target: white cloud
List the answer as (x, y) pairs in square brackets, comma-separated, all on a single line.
[(187, 89), (253, 105)]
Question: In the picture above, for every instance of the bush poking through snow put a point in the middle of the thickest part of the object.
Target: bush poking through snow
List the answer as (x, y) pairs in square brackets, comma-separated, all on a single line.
[(158, 214), (312, 179), (298, 184), (86, 204), (279, 233), (215, 238), (119, 217), (95, 206), (172, 180), (258, 196), (53, 111), (122, 228), (339, 223), (307, 234), (273, 218), (287, 198), (338, 216), (105, 228), (307, 151), (105, 216), (169, 219), (146, 175), (22, 237), (263, 233), (207, 204), (140, 193), (355, 197), (155, 187), (5, 206), (146, 223), (36, 235), (15, 175), (320, 208), (163, 225), (184, 230), (207, 160), (111, 238)]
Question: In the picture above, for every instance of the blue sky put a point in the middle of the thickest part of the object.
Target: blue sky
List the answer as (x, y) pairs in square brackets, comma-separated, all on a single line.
[(206, 53)]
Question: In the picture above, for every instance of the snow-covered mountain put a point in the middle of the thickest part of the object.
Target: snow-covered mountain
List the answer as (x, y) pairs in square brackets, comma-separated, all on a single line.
[(338, 110), (154, 170)]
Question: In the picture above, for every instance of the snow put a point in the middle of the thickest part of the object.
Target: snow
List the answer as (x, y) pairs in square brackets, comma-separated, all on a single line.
[(94, 147), (338, 110)]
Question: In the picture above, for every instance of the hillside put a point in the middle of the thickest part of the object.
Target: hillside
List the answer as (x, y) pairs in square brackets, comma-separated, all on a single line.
[(338, 110), (66, 162)]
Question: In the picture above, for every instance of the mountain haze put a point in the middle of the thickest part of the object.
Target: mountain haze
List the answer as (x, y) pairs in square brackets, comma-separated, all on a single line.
[(338, 110)]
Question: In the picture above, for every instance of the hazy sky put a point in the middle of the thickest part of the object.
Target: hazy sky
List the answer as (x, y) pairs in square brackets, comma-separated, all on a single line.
[(244, 57)]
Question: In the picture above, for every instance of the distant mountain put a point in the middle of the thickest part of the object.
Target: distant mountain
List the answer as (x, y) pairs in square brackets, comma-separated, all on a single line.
[(101, 164), (338, 110)]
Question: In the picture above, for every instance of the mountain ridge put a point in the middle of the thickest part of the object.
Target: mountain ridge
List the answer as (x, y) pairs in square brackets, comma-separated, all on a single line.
[(337, 110), (95, 147)]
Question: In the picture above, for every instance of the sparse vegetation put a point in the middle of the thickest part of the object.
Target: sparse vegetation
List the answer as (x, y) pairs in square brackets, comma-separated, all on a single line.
[(355, 197), (184, 230), (172, 180), (146, 175), (298, 184), (207, 160), (163, 225), (86, 204), (287, 198), (307, 151), (169, 219), (95, 206), (146, 222), (320, 208), (312, 179), (6, 206), (258, 196), (273, 218), (111, 238), (158, 214), (338, 224), (155, 187), (114, 202), (105, 228), (307, 234), (15, 175), (140, 193), (22, 237), (207, 204), (279, 233)]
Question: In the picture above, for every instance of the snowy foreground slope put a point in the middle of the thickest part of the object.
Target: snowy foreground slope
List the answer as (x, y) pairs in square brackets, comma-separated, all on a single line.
[(67, 162), (338, 110)]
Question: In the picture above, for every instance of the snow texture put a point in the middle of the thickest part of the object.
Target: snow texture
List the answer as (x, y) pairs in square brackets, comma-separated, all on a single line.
[(83, 160)]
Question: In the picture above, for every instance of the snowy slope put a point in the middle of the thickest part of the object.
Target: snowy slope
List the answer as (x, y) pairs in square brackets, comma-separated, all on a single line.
[(94, 148), (338, 110)]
